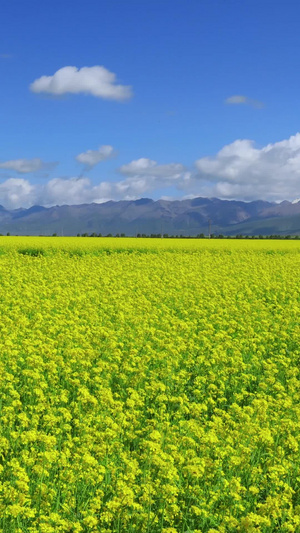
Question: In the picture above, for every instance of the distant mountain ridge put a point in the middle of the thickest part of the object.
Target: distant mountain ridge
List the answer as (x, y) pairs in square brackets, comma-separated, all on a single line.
[(146, 216)]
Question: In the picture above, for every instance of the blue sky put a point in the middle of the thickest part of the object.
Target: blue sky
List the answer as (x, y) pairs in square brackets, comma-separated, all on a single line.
[(166, 98)]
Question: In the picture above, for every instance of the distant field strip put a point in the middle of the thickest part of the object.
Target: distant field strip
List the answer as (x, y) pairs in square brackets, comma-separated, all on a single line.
[(149, 385), (46, 245)]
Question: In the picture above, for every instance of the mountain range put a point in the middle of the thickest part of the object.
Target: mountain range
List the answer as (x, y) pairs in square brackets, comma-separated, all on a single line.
[(146, 216)]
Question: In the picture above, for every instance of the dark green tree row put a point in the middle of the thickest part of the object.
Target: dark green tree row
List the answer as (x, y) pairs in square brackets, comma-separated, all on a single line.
[(167, 236)]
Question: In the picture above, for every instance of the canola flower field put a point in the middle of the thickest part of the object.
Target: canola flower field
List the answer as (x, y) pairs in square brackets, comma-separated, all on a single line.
[(149, 386)]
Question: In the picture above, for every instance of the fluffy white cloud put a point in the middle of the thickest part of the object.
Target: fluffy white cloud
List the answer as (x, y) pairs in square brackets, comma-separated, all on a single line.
[(24, 166), (96, 80), (142, 176), (17, 192), (74, 191), (139, 177), (145, 175), (90, 158), (65, 191), (240, 99), (240, 170)]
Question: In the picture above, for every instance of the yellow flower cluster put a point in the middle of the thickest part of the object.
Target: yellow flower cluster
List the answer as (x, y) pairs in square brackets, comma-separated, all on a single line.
[(149, 386)]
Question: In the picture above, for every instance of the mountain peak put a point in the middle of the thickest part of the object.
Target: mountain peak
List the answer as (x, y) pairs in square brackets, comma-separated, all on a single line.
[(143, 201)]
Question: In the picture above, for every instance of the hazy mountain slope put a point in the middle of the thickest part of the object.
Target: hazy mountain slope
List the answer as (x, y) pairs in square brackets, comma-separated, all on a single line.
[(187, 217)]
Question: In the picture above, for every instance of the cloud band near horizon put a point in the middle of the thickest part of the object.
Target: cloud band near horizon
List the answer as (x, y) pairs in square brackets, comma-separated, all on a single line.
[(239, 171)]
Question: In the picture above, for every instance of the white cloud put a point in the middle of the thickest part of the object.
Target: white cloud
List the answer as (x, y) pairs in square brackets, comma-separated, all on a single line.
[(145, 175), (240, 99), (90, 158), (74, 191), (148, 168), (66, 191), (17, 192), (97, 81), (240, 170), (24, 166)]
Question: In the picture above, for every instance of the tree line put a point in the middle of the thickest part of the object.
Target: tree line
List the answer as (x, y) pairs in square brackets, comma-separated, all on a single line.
[(181, 236), (167, 236)]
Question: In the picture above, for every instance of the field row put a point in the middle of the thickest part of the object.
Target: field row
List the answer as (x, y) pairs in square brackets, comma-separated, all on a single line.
[(81, 245)]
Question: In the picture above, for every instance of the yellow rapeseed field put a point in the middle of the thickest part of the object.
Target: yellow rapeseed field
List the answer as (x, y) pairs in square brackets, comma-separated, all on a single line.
[(149, 386)]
